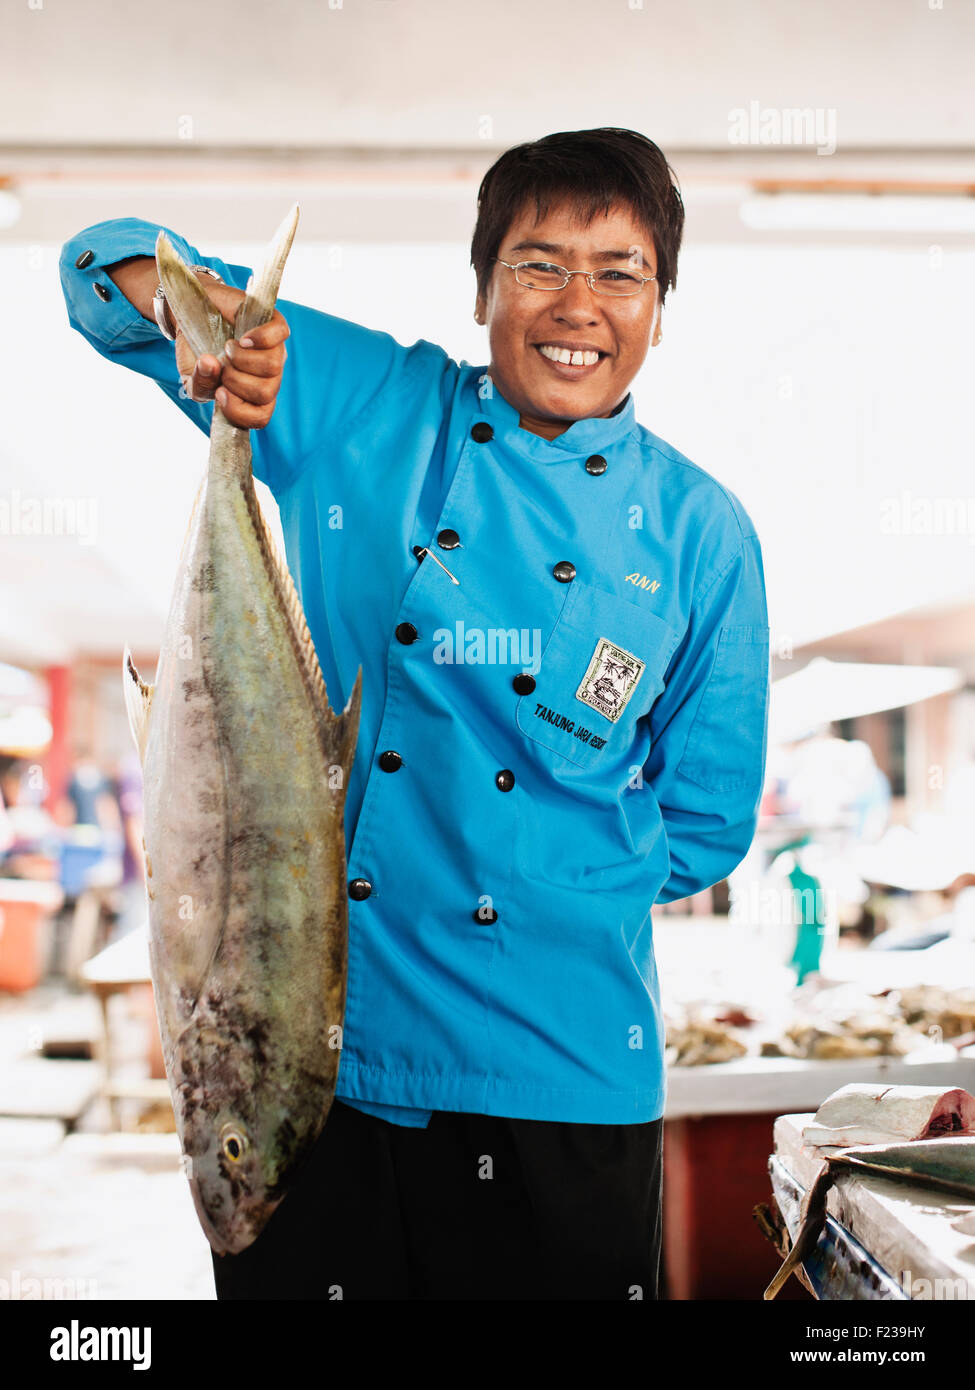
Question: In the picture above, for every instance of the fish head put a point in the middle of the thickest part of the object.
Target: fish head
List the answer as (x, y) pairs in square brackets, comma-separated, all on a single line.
[(233, 1178), (246, 1120)]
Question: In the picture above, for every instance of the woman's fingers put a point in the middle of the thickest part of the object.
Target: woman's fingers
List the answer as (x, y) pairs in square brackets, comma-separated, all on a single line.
[(258, 390), (255, 361), (241, 413), (268, 335), (204, 379), (249, 376)]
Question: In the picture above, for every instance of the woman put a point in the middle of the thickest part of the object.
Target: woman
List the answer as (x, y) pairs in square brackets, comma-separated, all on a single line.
[(563, 632)]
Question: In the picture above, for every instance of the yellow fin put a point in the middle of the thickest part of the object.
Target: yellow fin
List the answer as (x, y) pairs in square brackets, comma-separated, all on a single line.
[(138, 703), (341, 730)]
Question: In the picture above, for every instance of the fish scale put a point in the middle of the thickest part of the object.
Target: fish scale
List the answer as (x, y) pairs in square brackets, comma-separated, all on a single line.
[(245, 767)]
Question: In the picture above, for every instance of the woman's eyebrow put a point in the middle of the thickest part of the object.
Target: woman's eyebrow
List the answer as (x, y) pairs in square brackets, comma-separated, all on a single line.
[(547, 246), (552, 249)]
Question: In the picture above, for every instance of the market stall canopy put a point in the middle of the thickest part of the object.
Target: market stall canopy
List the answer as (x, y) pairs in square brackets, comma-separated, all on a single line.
[(926, 857), (24, 733), (826, 690), (25, 729), (20, 687)]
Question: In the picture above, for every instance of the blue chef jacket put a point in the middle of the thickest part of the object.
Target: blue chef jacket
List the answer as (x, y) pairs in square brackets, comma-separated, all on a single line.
[(573, 730)]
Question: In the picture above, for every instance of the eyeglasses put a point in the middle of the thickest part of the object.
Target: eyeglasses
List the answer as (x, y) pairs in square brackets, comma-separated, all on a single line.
[(542, 275)]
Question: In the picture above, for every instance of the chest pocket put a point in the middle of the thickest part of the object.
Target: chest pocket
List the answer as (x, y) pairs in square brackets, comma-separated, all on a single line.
[(602, 668)]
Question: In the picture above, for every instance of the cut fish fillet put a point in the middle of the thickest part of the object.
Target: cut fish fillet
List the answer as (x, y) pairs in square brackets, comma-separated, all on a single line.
[(872, 1113)]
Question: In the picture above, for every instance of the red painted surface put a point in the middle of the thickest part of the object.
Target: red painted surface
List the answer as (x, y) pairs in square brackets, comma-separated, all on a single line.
[(143, 1004), (20, 945), (57, 762), (715, 1172)]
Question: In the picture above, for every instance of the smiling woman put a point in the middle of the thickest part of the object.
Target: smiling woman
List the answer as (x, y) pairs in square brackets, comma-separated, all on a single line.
[(569, 332), (510, 824)]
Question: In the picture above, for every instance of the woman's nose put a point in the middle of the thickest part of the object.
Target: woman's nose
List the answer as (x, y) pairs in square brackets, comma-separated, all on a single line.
[(577, 300)]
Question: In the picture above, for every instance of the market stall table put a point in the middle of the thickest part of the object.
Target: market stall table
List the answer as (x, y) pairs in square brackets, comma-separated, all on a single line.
[(120, 967), (718, 1130), (884, 1239)]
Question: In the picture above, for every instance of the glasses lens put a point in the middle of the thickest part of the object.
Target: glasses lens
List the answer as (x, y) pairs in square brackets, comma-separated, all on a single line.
[(540, 275), (617, 282)]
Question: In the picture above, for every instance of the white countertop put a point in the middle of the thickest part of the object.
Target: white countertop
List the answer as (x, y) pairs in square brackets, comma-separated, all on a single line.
[(775, 1085)]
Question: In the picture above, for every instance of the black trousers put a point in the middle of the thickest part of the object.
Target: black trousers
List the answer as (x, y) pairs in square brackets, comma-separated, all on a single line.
[(473, 1207)]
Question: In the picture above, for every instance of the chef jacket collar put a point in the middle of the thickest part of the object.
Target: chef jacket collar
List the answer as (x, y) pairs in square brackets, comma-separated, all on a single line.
[(585, 437)]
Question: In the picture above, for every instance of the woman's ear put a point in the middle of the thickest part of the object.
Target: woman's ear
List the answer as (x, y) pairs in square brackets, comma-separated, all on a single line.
[(479, 310)]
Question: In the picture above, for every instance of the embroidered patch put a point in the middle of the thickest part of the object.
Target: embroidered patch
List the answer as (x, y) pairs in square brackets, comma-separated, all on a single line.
[(610, 679)]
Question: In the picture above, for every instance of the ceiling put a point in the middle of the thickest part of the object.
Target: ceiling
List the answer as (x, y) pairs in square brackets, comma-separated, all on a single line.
[(380, 116), (447, 75), (818, 374)]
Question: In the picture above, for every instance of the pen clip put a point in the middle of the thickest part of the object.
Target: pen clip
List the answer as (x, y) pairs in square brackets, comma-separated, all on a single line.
[(425, 550)]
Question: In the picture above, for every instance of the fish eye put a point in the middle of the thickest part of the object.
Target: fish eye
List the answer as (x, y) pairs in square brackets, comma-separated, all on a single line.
[(233, 1143)]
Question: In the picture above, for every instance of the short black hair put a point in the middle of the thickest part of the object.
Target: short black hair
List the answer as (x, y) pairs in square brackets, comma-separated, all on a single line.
[(591, 170)]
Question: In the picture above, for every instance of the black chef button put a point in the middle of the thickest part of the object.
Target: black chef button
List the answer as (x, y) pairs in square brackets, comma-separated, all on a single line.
[(524, 684), (406, 633), (485, 915), (448, 540), (505, 780), (596, 464), (482, 432), (390, 761), (84, 259), (360, 888), (103, 292), (565, 571), (420, 551)]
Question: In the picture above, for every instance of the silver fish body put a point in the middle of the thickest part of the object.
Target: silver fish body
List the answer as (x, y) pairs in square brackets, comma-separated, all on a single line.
[(945, 1164), (245, 770)]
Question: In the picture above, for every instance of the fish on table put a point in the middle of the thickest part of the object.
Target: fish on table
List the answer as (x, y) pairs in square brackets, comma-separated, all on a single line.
[(944, 1164), (245, 768)]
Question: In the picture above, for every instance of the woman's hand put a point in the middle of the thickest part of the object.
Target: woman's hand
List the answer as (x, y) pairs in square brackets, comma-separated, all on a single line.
[(247, 384)]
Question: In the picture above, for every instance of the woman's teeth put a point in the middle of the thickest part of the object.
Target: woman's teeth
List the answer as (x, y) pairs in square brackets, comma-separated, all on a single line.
[(574, 359)]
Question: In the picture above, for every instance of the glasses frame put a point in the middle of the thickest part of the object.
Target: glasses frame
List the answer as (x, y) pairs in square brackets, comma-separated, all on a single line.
[(589, 274)]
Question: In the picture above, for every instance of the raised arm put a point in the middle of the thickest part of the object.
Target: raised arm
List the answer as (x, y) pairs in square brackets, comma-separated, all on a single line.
[(335, 374), (247, 386)]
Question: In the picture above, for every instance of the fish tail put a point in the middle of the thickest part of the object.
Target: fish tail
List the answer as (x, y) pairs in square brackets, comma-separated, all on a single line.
[(258, 303), (203, 325), (812, 1219)]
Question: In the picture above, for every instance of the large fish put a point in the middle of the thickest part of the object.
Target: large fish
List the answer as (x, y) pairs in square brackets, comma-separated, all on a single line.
[(245, 768), (945, 1165)]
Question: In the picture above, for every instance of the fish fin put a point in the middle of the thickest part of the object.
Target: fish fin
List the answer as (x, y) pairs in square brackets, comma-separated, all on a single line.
[(138, 702), (203, 325), (259, 300), (347, 727), (340, 731)]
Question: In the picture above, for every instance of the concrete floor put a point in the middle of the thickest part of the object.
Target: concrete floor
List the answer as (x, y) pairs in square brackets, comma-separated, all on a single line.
[(86, 1212)]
